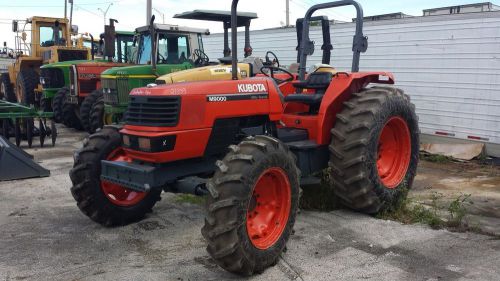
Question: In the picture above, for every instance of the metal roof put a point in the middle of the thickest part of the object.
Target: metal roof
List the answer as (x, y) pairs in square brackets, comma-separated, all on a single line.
[(174, 29), (220, 16)]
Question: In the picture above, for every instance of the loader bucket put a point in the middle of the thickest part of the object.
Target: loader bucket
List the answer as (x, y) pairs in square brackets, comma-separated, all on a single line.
[(16, 164)]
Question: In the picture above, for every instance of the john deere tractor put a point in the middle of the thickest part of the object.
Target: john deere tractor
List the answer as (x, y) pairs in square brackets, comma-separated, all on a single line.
[(253, 137), (161, 49), (49, 42), (55, 77)]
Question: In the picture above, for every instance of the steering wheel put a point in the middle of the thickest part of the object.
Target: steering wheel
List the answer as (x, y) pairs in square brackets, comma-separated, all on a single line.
[(275, 62), (201, 57), (275, 68), (161, 58)]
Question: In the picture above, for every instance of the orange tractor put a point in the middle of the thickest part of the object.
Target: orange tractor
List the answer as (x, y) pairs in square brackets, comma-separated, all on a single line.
[(254, 137)]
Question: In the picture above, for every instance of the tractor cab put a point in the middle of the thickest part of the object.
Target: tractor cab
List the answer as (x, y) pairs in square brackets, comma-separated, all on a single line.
[(38, 41)]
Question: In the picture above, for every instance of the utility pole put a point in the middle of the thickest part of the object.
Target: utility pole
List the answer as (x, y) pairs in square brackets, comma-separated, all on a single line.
[(149, 12), (104, 13), (65, 8), (287, 13), (162, 15)]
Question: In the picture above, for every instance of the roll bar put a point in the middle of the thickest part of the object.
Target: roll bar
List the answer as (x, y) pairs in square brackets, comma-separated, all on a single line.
[(306, 48), (234, 39), (327, 40)]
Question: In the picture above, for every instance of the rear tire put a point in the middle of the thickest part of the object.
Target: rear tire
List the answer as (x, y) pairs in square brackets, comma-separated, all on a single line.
[(57, 105), (88, 190), (86, 107), (233, 203), (97, 115), (6, 89), (360, 179)]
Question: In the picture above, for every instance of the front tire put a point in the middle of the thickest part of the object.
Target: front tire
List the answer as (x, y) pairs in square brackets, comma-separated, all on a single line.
[(97, 115), (106, 203), (375, 150), (57, 104), (86, 108), (27, 81), (253, 202), (70, 117)]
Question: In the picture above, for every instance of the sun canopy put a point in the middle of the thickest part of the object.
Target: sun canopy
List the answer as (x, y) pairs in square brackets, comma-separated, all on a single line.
[(220, 16)]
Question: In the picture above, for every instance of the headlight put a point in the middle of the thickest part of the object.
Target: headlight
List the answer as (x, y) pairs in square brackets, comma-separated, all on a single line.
[(126, 140), (42, 80), (145, 144)]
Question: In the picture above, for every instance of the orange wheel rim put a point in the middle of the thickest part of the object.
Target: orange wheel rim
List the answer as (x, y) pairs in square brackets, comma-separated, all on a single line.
[(117, 194), (394, 152), (269, 208)]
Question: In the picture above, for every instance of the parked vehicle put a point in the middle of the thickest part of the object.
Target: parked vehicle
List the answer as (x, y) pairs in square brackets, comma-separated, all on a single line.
[(254, 137)]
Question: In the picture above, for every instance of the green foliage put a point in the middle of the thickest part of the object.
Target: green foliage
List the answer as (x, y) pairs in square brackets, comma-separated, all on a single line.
[(189, 198), (320, 197), (435, 158), (409, 212), (457, 210)]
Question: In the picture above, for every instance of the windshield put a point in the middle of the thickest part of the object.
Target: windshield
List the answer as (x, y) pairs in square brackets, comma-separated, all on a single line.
[(172, 49), (124, 48), (47, 37), (144, 52)]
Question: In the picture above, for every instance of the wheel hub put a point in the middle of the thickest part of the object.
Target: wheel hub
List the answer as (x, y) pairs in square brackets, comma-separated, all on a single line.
[(116, 193), (394, 152), (269, 208)]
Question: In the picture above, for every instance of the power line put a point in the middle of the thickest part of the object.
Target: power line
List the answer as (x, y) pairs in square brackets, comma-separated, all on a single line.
[(56, 6)]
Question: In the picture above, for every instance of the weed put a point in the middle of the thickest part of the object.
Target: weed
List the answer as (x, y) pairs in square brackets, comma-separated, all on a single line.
[(435, 158), (189, 198), (320, 197), (457, 210)]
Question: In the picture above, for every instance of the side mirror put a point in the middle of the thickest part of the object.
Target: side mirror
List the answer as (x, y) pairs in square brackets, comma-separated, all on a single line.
[(15, 25), (24, 36), (74, 29), (4, 44)]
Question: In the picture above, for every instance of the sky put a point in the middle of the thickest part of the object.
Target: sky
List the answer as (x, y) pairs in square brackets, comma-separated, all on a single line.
[(88, 14)]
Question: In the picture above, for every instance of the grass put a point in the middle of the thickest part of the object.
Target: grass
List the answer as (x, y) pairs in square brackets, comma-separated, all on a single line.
[(454, 217), (435, 158), (189, 198), (320, 197)]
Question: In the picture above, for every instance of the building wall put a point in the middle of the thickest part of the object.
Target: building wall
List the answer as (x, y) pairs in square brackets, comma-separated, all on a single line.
[(449, 65)]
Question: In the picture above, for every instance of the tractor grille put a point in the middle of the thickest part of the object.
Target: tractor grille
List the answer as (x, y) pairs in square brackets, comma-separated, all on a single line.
[(110, 93), (153, 111), (51, 78), (116, 91), (66, 55), (123, 90)]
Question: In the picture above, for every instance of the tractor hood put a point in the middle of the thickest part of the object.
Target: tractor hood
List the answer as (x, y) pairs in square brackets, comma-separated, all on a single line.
[(144, 71), (207, 73), (68, 63)]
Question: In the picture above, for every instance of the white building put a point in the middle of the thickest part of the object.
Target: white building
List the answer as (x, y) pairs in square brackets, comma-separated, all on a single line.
[(448, 64)]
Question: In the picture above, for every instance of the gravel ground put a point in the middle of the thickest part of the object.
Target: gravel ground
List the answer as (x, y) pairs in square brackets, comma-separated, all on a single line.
[(43, 236)]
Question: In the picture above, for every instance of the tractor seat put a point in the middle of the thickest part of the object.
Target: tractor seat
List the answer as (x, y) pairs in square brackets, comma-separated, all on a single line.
[(319, 81)]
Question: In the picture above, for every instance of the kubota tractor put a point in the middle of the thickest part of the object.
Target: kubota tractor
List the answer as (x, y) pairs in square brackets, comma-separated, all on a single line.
[(254, 138)]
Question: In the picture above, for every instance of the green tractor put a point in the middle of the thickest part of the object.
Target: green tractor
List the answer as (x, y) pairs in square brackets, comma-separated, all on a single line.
[(55, 77), (161, 49)]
